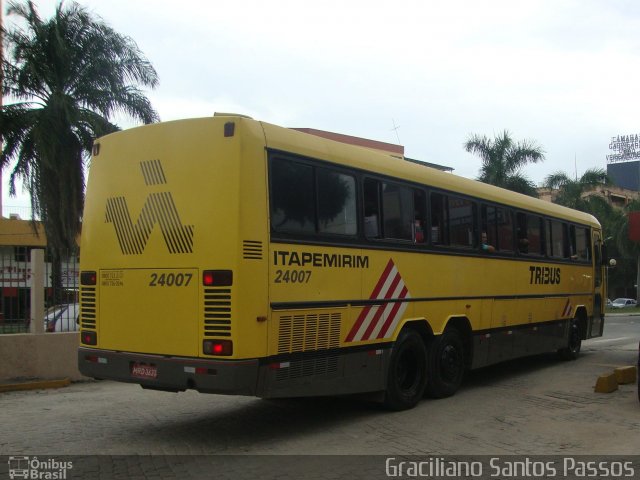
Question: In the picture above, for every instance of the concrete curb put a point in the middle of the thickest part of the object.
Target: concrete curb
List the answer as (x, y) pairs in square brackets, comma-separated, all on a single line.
[(34, 385)]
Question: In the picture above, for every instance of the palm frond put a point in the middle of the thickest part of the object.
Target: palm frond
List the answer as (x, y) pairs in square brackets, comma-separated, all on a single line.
[(521, 184), (595, 176), (502, 160), (556, 180)]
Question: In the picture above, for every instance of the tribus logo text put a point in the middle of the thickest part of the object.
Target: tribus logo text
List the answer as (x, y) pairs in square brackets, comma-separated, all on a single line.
[(159, 208), (544, 275)]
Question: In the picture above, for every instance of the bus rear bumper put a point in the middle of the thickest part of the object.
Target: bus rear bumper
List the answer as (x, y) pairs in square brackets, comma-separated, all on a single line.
[(233, 377)]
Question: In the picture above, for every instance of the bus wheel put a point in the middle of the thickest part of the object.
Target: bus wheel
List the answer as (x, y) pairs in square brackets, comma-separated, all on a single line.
[(572, 350), (407, 375), (446, 364)]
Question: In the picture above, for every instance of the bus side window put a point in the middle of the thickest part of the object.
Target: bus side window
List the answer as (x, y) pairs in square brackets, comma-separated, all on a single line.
[(462, 213), (521, 233), (452, 221), (372, 208), (530, 238), (579, 244), (293, 208), (420, 214), (505, 229), (393, 211), (556, 239), (336, 202), (488, 228), (439, 220), (397, 212)]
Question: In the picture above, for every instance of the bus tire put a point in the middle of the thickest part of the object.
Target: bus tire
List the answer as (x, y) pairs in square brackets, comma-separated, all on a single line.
[(446, 364), (572, 350), (407, 374)]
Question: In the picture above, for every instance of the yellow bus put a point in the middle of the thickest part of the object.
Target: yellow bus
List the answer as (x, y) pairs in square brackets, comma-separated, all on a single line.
[(232, 256)]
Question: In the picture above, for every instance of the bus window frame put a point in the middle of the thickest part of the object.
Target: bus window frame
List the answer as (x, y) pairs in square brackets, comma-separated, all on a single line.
[(426, 191), (575, 257), (500, 249), (541, 225), (381, 238), (316, 236)]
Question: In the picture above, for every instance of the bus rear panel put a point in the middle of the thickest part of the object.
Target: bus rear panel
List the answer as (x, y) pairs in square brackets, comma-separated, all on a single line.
[(165, 257)]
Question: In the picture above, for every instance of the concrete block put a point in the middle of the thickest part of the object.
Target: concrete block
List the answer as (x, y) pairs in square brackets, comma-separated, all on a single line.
[(34, 385), (43, 356), (626, 375), (606, 383)]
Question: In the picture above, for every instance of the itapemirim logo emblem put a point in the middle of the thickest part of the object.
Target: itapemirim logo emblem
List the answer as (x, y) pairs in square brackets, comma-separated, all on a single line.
[(159, 208)]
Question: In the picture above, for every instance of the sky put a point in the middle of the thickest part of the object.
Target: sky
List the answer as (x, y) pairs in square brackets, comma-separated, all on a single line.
[(426, 74)]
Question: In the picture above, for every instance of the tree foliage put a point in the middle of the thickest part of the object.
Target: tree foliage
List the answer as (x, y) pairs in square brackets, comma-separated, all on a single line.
[(503, 159), (574, 193), (68, 76)]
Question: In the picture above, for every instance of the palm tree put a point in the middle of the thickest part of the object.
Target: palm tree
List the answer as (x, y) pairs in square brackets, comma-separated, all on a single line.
[(68, 75), (503, 158), (574, 193)]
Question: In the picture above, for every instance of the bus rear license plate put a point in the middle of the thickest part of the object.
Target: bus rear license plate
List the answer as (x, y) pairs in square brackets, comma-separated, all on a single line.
[(141, 370)]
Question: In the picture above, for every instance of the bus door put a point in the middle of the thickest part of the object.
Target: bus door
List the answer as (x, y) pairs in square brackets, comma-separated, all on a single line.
[(596, 324)]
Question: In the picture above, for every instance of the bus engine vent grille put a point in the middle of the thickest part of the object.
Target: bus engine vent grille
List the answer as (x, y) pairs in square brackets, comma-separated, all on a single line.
[(217, 312), (251, 250), (303, 333), (88, 307), (316, 365)]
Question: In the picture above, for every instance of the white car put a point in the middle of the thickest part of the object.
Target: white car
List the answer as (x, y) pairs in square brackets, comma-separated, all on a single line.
[(624, 303), (62, 318)]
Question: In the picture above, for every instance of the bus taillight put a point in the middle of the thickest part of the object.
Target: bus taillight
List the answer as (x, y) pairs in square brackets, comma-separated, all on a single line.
[(89, 338), (217, 347), (217, 278), (88, 278)]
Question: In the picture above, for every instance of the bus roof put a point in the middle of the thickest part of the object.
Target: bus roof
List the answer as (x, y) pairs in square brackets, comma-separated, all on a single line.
[(375, 161)]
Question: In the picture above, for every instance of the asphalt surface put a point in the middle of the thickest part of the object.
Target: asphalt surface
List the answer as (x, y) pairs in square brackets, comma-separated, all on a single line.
[(533, 406)]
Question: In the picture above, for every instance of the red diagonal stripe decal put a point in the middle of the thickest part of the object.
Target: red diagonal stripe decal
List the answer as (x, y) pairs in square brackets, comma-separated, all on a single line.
[(392, 314), (374, 295), (388, 294), (383, 278)]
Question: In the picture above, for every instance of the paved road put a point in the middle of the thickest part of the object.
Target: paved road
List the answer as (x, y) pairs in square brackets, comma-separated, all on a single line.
[(536, 406)]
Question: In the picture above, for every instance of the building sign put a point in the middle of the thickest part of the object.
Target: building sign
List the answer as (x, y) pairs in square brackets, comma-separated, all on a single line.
[(624, 148)]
